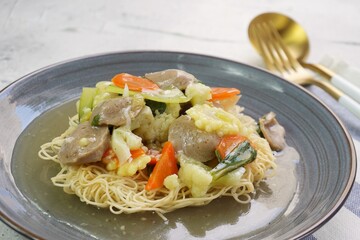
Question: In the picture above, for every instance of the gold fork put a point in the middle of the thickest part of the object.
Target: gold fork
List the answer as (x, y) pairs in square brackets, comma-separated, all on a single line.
[(278, 59)]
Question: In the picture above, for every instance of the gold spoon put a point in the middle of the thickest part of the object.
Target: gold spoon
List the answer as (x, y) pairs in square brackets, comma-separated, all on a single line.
[(297, 42)]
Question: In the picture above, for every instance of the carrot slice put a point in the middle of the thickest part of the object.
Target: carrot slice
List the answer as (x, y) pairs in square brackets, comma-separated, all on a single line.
[(153, 161), (107, 153), (108, 156), (228, 143), (110, 160), (166, 166), (218, 93), (134, 83), (137, 153)]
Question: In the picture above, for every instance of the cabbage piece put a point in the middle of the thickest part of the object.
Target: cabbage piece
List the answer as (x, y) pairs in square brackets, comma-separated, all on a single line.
[(198, 92), (195, 175), (102, 94), (231, 179), (166, 96), (122, 141)]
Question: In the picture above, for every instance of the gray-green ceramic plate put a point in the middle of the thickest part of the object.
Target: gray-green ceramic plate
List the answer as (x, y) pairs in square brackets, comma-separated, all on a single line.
[(35, 109)]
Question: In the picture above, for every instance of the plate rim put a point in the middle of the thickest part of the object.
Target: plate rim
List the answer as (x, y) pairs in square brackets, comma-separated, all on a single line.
[(318, 224)]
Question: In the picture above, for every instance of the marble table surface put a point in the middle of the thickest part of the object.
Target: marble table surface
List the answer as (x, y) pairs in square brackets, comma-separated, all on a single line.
[(37, 33)]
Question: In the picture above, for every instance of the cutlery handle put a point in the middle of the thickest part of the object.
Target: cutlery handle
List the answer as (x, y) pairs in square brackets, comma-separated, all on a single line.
[(347, 93), (350, 104), (347, 87), (343, 99)]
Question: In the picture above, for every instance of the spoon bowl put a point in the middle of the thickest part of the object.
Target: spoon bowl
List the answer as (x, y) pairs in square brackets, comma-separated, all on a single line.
[(292, 34)]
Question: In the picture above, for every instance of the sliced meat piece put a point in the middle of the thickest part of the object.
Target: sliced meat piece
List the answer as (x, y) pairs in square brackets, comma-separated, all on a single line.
[(85, 145), (273, 132), (194, 143), (116, 111), (171, 77)]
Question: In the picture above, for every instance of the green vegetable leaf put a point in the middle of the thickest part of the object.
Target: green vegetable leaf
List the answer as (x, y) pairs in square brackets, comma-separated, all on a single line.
[(241, 155), (258, 130), (156, 106), (95, 121)]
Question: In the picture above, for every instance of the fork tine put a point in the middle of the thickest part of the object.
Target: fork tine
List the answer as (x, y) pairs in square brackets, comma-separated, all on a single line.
[(279, 55), (272, 48), (263, 52), (266, 49), (278, 58), (287, 57)]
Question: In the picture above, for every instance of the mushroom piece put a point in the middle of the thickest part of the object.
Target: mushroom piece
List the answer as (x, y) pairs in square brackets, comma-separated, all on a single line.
[(116, 111), (171, 77), (85, 145), (273, 132), (194, 143)]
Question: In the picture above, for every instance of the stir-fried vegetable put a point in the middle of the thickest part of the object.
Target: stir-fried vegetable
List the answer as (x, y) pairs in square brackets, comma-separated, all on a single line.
[(122, 141), (129, 169), (86, 103), (243, 154), (232, 178), (218, 93), (110, 160), (166, 166), (213, 119), (156, 107), (101, 93), (172, 182), (166, 96), (134, 83), (195, 175), (199, 127), (95, 120), (227, 144), (137, 153), (198, 92)]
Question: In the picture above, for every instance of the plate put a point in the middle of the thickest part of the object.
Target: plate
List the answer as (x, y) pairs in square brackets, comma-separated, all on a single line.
[(36, 107)]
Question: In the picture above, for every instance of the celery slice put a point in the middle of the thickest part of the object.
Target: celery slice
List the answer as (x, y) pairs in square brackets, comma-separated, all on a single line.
[(86, 103)]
